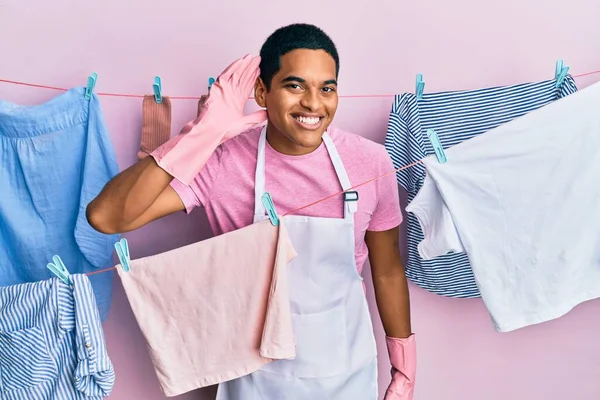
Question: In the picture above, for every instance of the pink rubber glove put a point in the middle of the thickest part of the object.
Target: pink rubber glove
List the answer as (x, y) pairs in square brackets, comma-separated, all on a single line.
[(221, 118), (403, 357)]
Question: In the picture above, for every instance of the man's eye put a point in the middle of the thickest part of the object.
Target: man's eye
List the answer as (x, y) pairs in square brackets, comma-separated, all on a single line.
[(293, 86), (328, 89)]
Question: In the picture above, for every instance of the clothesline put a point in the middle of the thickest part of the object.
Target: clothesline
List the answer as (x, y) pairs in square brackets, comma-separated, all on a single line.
[(198, 97), (294, 210)]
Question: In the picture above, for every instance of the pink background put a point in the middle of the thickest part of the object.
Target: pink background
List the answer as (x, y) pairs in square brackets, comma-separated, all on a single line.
[(460, 44)]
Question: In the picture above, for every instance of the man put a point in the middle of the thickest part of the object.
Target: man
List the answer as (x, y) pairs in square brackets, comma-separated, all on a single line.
[(299, 159)]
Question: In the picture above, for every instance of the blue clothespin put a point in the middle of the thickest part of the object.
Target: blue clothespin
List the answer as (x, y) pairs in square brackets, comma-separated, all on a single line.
[(157, 89), (437, 146), (420, 86), (122, 249), (560, 73), (58, 268), (270, 207), (91, 84), (211, 80)]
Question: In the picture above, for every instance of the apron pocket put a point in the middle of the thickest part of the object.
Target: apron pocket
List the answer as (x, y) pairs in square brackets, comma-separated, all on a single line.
[(25, 360), (321, 346)]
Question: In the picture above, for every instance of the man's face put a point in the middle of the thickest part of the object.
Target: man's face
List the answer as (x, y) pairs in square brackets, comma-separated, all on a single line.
[(302, 100)]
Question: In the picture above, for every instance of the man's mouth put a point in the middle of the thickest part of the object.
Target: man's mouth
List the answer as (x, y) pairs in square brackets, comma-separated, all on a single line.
[(308, 120)]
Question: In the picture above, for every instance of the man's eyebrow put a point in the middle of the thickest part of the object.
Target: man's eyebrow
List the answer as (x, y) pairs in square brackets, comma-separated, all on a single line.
[(293, 79), (298, 79)]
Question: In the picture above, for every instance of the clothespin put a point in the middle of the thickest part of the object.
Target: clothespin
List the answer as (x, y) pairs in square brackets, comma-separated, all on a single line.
[(91, 84), (58, 268), (420, 86), (211, 80), (270, 207), (122, 249), (437, 146), (560, 73), (157, 89)]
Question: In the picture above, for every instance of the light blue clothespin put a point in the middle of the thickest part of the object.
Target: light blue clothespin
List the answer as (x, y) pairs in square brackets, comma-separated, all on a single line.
[(122, 249), (58, 268), (270, 207), (157, 89), (420, 86), (560, 73), (91, 84), (211, 80), (437, 146)]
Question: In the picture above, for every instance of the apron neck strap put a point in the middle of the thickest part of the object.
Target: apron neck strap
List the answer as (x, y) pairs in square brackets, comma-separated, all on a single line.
[(350, 198)]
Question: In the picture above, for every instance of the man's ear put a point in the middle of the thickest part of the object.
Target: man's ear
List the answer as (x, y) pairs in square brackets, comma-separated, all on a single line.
[(260, 93)]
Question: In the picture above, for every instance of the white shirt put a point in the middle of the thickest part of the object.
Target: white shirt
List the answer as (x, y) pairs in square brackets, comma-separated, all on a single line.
[(523, 201)]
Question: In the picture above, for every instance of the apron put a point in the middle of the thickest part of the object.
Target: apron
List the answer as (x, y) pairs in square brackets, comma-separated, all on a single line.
[(336, 355)]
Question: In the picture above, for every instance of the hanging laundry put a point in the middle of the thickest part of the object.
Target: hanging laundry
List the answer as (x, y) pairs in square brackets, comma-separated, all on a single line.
[(55, 158), (522, 200), (156, 124), (51, 342), (214, 310), (455, 116), (201, 103)]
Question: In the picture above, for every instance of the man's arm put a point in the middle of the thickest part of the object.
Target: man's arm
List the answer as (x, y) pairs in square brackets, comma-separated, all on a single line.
[(142, 193), (133, 198), (389, 281)]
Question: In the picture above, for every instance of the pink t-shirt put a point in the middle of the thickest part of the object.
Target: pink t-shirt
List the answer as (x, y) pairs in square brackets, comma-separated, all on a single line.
[(225, 186)]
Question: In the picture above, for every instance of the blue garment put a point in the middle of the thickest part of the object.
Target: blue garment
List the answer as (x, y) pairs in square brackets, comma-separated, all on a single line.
[(54, 159), (455, 116), (51, 342)]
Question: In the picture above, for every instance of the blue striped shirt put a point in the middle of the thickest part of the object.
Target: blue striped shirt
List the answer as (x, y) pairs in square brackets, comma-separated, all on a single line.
[(51, 342), (455, 116)]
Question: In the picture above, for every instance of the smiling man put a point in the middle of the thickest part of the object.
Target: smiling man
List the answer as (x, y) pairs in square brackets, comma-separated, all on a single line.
[(299, 158)]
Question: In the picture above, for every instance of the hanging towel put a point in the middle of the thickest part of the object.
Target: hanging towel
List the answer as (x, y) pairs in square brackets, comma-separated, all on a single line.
[(55, 158), (455, 116), (51, 342), (214, 310), (523, 202)]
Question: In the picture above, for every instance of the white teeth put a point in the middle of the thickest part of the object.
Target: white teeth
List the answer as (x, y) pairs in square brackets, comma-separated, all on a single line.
[(308, 120)]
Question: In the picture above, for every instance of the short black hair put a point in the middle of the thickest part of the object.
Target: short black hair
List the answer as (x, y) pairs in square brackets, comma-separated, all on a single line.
[(292, 37)]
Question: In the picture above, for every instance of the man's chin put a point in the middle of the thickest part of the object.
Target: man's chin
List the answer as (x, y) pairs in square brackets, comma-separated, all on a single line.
[(307, 141)]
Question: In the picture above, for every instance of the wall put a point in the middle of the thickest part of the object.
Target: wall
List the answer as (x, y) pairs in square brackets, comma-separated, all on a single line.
[(456, 45)]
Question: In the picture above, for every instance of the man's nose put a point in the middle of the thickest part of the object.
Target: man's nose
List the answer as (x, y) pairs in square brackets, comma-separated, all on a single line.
[(311, 100)]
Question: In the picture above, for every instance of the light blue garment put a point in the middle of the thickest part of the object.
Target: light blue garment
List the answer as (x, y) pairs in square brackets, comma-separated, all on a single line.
[(54, 159), (51, 342), (455, 116)]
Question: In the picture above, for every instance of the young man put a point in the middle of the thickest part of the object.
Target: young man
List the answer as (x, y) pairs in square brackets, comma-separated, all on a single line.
[(299, 159)]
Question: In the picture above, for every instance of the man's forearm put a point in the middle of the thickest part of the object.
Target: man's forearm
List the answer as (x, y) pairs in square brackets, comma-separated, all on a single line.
[(389, 282), (393, 302)]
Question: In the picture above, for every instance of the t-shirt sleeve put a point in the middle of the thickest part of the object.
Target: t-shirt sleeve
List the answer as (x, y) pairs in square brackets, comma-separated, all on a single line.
[(387, 213), (199, 191), (439, 230)]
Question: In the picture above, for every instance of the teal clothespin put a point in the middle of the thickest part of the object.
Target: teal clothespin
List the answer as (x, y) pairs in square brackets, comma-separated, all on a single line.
[(270, 207), (122, 248), (560, 73), (420, 86), (157, 89), (211, 80), (91, 84), (58, 268), (437, 146)]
